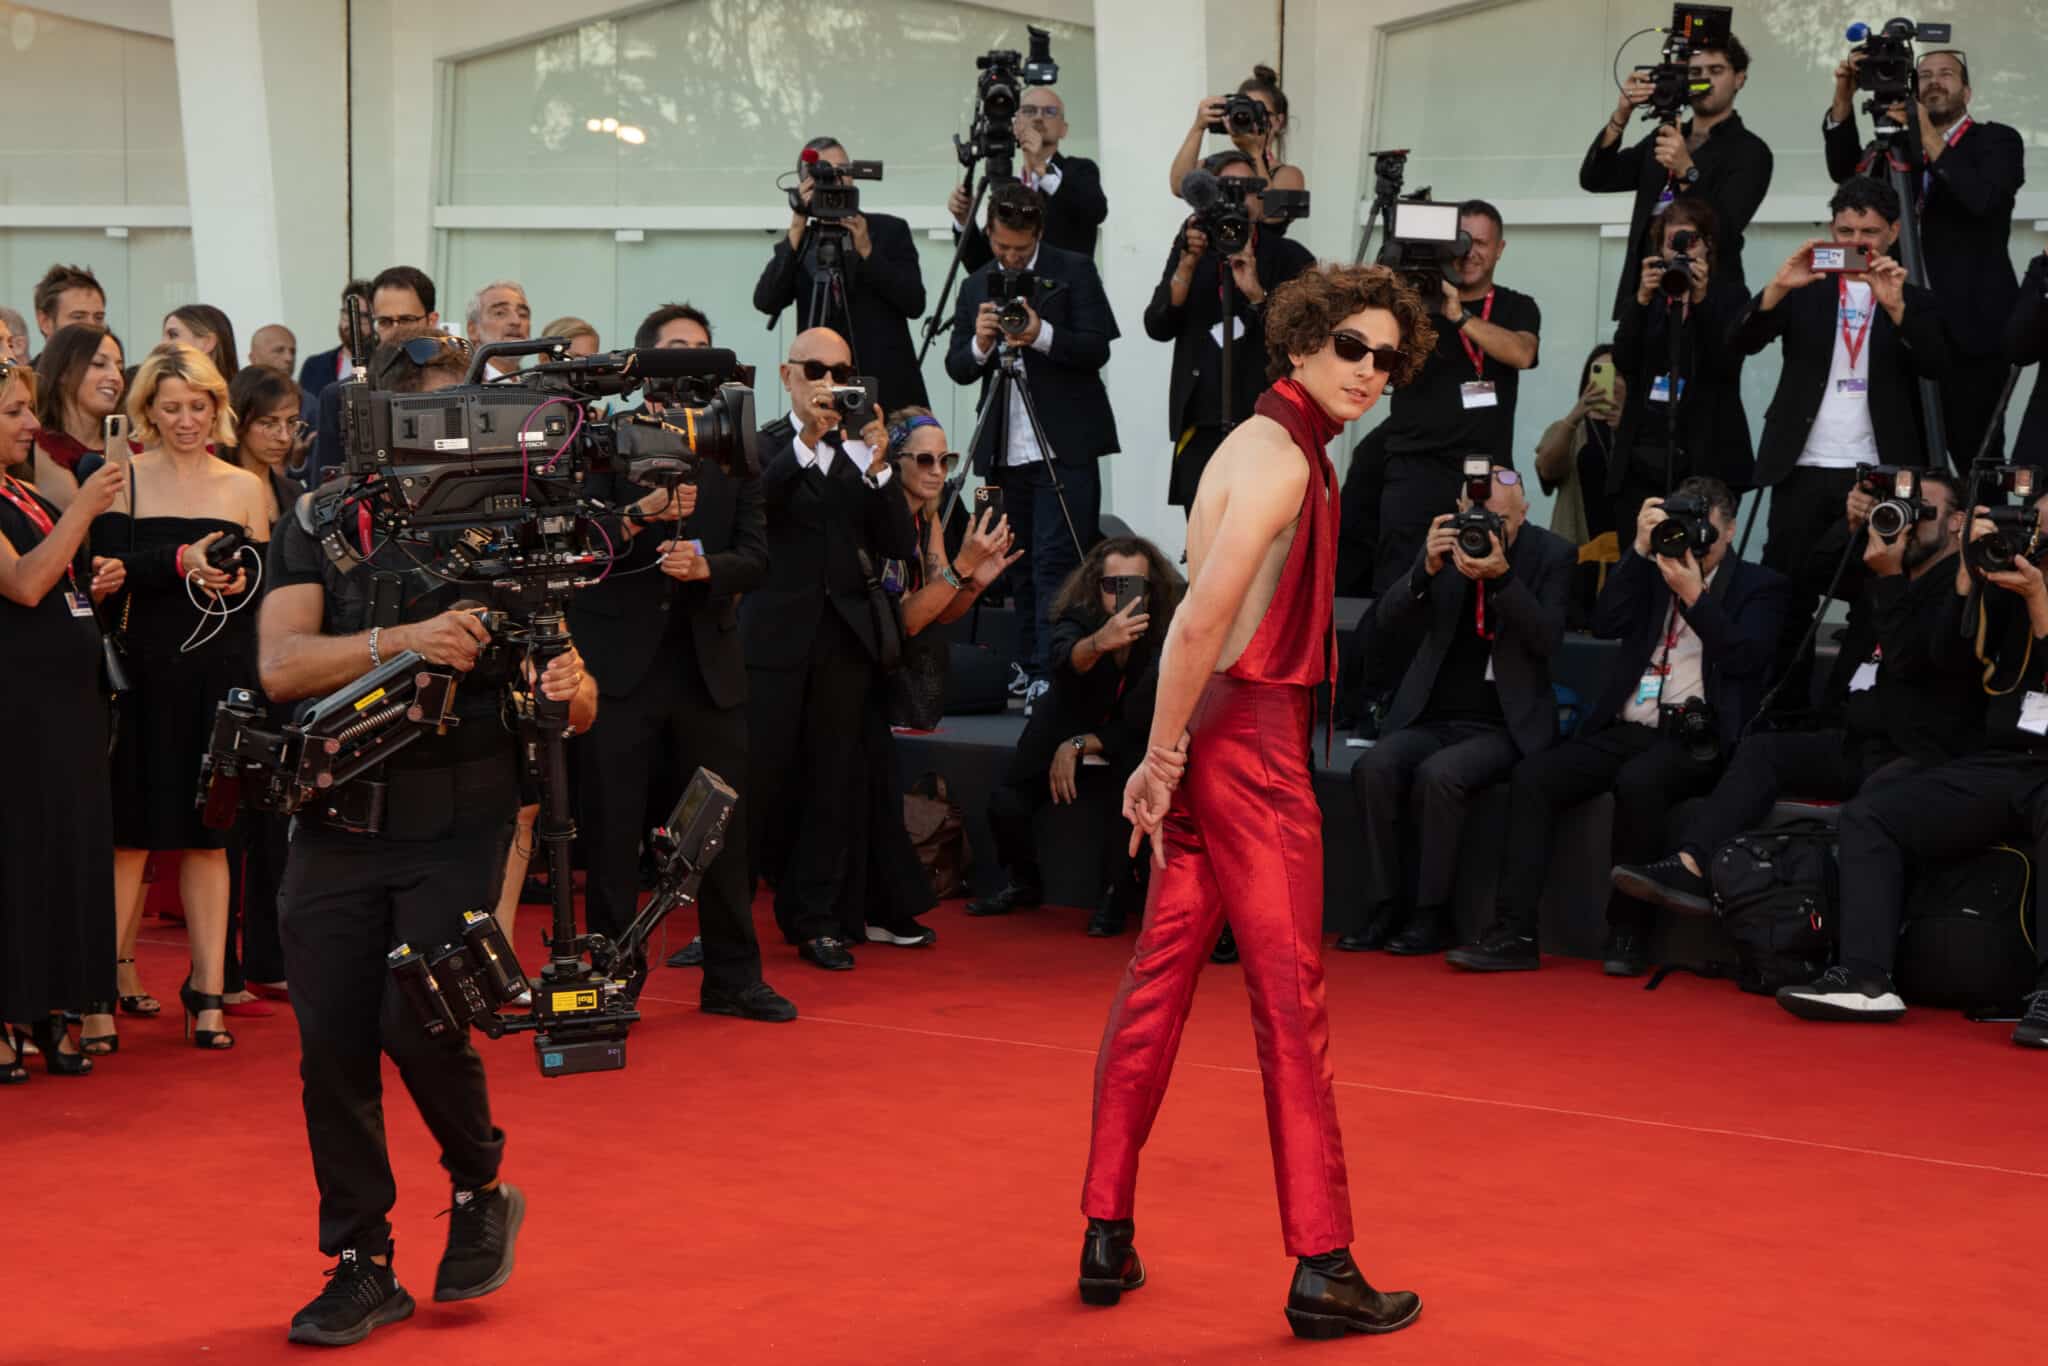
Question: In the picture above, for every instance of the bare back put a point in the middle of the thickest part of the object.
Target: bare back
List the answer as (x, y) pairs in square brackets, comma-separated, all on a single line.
[(1260, 451)]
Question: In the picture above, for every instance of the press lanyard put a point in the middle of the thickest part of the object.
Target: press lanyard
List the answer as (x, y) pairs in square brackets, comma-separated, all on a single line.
[(1854, 345), (33, 510), (1478, 357), (1671, 635), (1479, 615), (1954, 136)]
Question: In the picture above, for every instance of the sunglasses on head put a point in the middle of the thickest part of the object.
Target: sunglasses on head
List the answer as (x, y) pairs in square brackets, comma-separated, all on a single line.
[(1390, 361), (426, 350), (815, 370)]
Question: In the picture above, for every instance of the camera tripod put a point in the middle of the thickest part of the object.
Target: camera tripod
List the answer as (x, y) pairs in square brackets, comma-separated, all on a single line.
[(1008, 375), (828, 243), (1896, 147)]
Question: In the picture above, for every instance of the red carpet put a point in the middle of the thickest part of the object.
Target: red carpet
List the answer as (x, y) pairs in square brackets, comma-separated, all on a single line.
[(1567, 1169)]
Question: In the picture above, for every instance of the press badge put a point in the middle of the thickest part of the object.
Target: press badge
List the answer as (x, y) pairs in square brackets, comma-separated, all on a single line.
[(1852, 386), (1479, 393), (1650, 689), (80, 605), (1865, 677), (1216, 331), (1489, 666), (2034, 713), (1660, 390)]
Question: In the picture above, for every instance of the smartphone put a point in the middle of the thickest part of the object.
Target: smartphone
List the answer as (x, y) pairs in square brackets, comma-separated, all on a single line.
[(114, 432), (1840, 258), (990, 497), (1129, 588), (1602, 379)]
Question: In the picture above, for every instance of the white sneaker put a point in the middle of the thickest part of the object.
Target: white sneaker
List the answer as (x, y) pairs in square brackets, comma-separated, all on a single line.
[(1038, 689), (878, 935), (1835, 995), (1020, 682)]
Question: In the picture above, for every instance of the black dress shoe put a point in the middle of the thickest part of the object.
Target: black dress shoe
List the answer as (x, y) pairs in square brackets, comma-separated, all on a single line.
[(1105, 923), (756, 1001), (1330, 1297), (1226, 947), (1015, 896), (690, 955), (1626, 955), (1428, 931), (827, 952), (1667, 883), (1380, 925), (1501, 949), (1109, 1264)]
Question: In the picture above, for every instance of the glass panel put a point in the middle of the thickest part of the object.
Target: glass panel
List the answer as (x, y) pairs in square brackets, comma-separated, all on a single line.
[(145, 275), (100, 106)]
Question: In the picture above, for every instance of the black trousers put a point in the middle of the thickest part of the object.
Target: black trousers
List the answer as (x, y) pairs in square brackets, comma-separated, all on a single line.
[(1648, 775), (265, 839), (1413, 789), (1417, 490), (1033, 507), (898, 890), (1938, 813), (809, 787), (1969, 397), (1805, 506), (1099, 789), (1820, 764), (668, 724), (347, 901)]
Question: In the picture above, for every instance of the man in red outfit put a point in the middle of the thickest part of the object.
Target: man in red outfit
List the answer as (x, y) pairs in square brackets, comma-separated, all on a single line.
[(1224, 794)]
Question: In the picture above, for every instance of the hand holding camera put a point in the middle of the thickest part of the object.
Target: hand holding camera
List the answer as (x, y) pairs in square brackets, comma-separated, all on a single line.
[(2002, 542), (1635, 91), (216, 573), (1857, 506), (1244, 272), (1883, 556), (1193, 242), (857, 228), (1671, 152), (1441, 544), (1489, 566), (1683, 576), (1887, 279), (665, 505), (1843, 107)]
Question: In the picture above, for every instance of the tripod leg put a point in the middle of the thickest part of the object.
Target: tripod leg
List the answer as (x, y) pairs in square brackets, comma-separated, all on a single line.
[(1052, 468)]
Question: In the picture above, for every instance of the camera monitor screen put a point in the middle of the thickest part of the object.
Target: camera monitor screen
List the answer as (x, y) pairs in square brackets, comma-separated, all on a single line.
[(1426, 222)]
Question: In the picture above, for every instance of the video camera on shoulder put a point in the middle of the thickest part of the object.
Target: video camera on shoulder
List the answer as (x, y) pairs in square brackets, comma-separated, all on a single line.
[(1477, 525), (2016, 530), (1888, 72), (1900, 507), (1694, 28), (1687, 529)]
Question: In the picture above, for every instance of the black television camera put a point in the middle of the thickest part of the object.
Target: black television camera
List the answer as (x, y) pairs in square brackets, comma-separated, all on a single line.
[(2015, 531), (1224, 216), (1477, 525), (1686, 528), (1694, 28), (998, 91), (834, 196), (1013, 293), (1242, 114), (1888, 72), (1900, 506), (1676, 280)]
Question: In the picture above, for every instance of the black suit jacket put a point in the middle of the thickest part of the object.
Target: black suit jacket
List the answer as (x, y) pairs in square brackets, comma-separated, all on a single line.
[(2026, 342), (320, 371), (1713, 429), (1807, 319), (619, 622), (885, 291), (1737, 620), (1065, 383), (1965, 224), (1526, 614), (817, 525), (1114, 705), (1735, 173), (324, 460), (1193, 397), (1072, 216)]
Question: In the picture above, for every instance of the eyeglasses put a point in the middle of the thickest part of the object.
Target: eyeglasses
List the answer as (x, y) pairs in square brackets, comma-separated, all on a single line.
[(384, 320), (1390, 361), (1050, 111), (1507, 479), (290, 427), (815, 370), (925, 460)]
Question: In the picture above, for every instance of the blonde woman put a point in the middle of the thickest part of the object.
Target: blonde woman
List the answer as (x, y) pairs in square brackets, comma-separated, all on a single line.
[(189, 641), (582, 336)]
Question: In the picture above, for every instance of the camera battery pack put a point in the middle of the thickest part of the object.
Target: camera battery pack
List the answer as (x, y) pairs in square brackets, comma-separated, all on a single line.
[(566, 1059)]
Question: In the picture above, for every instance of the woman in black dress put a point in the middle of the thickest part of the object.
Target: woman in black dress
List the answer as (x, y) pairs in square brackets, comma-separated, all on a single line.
[(57, 847), (189, 642)]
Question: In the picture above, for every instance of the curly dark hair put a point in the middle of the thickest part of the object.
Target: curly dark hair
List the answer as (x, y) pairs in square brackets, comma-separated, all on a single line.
[(1081, 592), (1301, 313)]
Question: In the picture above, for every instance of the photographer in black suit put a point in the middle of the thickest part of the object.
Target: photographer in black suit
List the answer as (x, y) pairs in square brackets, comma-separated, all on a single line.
[(1074, 203), (1062, 347), (884, 288), (1476, 699), (662, 632), (1973, 174), (814, 649), (1187, 310), (2026, 343)]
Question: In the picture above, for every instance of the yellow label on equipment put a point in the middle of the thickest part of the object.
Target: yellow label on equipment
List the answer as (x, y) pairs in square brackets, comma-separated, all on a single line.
[(565, 1001), (373, 697)]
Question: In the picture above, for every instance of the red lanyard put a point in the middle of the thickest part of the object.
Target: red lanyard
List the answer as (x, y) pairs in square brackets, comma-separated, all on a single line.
[(1479, 615), (33, 510), (1671, 635), (1472, 350), (1854, 345)]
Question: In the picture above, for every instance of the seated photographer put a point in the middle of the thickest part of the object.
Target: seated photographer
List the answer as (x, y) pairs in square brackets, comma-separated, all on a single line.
[(1058, 333), (1973, 172), (1072, 186), (1255, 120), (876, 260), (1998, 793), (1476, 699), (1187, 310), (1665, 437), (2026, 343), (1907, 702), (1697, 624), (1089, 732), (1710, 156), (1856, 343)]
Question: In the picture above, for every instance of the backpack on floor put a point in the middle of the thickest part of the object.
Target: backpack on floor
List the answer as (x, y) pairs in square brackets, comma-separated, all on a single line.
[(938, 832), (1776, 891), (1964, 940)]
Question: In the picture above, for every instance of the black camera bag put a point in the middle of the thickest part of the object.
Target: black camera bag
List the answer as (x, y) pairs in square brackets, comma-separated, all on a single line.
[(1776, 891), (1964, 940)]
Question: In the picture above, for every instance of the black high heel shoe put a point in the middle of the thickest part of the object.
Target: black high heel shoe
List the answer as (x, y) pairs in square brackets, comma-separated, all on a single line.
[(16, 1072), (98, 1045), (197, 1003), (143, 1004), (50, 1033)]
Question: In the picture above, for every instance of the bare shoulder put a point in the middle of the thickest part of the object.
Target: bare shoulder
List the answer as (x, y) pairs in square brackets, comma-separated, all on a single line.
[(1260, 452)]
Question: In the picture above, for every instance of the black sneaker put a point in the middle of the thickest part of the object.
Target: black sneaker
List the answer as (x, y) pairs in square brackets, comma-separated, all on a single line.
[(1501, 949), (758, 1001), (1837, 995), (1667, 883), (2032, 1030), (1226, 947), (915, 937), (483, 1227), (690, 955), (1626, 955), (360, 1298), (1014, 896)]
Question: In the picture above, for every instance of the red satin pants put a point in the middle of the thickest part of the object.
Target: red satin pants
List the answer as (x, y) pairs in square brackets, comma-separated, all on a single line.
[(1244, 835)]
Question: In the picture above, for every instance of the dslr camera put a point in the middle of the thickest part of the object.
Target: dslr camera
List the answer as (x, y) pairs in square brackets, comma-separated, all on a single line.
[(1477, 525), (1888, 71), (1242, 114), (1694, 725), (1012, 292), (2015, 533), (1693, 28), (1221, 210), (1900, 507), (1686, 528), (855, 402), (1676, 281)]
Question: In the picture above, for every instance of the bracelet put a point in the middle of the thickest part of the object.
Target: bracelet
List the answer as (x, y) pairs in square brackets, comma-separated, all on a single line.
[(178, 560), (950, 574), (376, 659)]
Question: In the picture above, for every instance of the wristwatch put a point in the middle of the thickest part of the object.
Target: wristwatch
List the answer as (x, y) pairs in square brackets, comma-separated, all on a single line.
[(1691, 176), (1458, 323), (1080, 744)]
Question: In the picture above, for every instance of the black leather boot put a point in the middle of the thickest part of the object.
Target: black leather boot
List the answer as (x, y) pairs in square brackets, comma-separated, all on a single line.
[(1109, 1264), (1330, 1298)]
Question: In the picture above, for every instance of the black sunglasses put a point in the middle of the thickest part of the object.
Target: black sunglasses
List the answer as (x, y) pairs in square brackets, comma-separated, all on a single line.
[(1390, 361), (815, 370), (426, 350), (926, 460)]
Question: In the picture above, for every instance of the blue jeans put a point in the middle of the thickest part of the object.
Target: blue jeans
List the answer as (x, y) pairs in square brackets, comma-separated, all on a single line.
[(1049, 555)]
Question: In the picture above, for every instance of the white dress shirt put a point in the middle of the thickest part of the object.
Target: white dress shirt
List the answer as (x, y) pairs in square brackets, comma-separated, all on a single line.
[(1023, 443), (1685, 674), (821, 457)]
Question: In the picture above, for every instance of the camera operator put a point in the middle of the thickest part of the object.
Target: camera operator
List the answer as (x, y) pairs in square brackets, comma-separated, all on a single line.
[(1681, 289), (883, 287), (1187, 310), (347, 898), (1256, 120), (1907, 702), (1966, 194), (499, 312), (1476, 699), (1074, 203), (2026, 343), (815, 649), (1062, 346), (1712, 156), (1999, 792), (1696, 624), (667, 648)]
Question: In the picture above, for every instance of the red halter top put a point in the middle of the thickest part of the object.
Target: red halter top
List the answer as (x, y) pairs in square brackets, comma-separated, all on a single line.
[(1295, 642)]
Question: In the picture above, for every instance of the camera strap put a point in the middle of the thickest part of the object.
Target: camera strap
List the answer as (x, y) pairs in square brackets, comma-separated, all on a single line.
[(1853, 345), (1477, 356), (1479, 613), (28, 507)]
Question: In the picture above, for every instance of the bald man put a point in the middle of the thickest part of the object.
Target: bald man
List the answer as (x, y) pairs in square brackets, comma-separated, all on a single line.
[(1475, 700), (13, 338), (1072, 186), (275, 348), (814, 651)]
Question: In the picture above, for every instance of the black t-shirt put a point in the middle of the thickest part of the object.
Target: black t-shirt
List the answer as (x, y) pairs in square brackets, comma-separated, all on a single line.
[(1429, 416), (1463, 692)]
